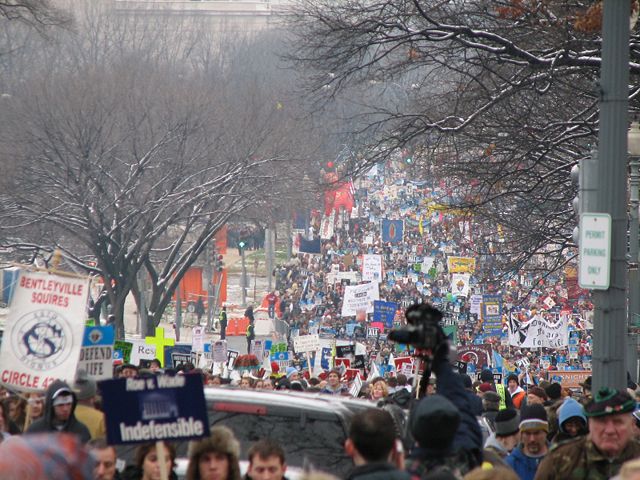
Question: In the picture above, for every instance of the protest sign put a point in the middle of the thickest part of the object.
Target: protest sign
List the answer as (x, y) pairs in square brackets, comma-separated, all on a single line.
[(345, 350), (475, 304), (219, 351), (306, 343), (351, 374), (197, 339), (124, 348), (372, 332), (384, 312), (356, 386), (538, 332), (461, 264), (359, 297), (257, 348), (392, 231), (346, 362), (158, 408), (460, 284), (142, 351), (96, 355), (569, 378), (492, 314), (231, 358), (44, 330), (371, 268), (479, 355)]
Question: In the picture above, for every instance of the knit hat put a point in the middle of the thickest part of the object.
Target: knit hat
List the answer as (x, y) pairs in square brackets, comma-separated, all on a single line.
[(570, 409), (85, 387), (507, 422), (538, 392), (485, 387), (434, 422), (609, 401), (554, 391), (486, 375), (291, 371), (533, 417), (491, 400)]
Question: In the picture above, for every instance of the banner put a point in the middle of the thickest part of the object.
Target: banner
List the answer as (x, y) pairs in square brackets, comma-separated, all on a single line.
[(569, 378), (460, 284), (384, 312), (96, 355), (359, 298), (392, 231), (372, 268), (478, 355), (492, 314), (461, 264), (309, 246), (475, 304), (158, 408), (327, 225), (44, 331), (306, 343), (538, 332)]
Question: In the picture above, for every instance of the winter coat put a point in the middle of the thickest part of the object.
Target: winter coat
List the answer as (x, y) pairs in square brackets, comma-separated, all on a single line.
[(493, 444), (401, 397), (522, 464), (377, 471), (45, 424)]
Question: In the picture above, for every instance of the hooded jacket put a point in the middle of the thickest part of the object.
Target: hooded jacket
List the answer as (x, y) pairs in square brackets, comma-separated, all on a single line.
[(522, 464), (45, 424), (492, 443)]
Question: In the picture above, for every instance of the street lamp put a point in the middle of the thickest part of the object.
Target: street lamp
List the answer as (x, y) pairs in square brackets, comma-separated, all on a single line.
[(633, 140)]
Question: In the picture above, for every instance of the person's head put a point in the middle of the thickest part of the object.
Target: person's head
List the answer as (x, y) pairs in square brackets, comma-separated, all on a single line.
[(333, 378), (293, 375), (586, 387), (105, 457), (379, 390), (486, 375), (128, 371), (63, 402), (512, 382), (571, 418), (507, 424), (611, 423), (35, 402), (85, 387), (245, 383), (490, 401), (215, 457), (536, 395), (147, 459), (4, 417), (17, 408), (533, 430), (491, 473), (434, 421), (155, 365), (554, 391), (402, 380), (371, 436), (214, 380), (266, 460)]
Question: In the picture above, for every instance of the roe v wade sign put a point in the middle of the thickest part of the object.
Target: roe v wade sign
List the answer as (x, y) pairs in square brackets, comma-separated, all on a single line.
[(595, 251)]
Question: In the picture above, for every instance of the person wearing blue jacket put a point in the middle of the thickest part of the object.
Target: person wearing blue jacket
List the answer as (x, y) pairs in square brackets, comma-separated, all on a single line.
[(525, 458), (572, 422)]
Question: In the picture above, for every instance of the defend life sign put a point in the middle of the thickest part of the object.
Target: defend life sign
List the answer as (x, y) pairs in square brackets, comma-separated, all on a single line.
[(44, 331), (157, 408), (96, 356)]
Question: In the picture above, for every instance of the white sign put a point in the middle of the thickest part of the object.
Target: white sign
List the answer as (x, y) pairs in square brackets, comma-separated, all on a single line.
[(257, 348), (427, 263), (372, 332), (372, 268), (595, 251), (359, 298), (44, 331), (327, 226), (476, 304), (141, 351), (219, 349), (306, 343), (538, 332), (549, 302), (460, 284), (197, 339), (356, 386)]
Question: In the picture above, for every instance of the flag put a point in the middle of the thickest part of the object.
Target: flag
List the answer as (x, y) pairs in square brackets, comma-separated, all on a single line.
[(373, 372)]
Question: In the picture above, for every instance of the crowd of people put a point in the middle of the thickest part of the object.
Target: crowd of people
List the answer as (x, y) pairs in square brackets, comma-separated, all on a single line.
[(476, 419)]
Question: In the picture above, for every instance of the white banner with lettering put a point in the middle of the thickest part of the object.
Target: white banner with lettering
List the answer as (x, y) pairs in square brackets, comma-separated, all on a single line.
[(538, 332), (359, 298), (44, 331)]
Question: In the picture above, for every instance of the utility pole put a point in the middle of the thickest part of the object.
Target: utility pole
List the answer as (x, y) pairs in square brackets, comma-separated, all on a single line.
[(610, 322), (208, 277), (270, 247), (243, 279), (634, 226)]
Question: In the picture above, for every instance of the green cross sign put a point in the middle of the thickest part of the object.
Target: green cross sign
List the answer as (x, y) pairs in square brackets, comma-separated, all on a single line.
[(160, 342)]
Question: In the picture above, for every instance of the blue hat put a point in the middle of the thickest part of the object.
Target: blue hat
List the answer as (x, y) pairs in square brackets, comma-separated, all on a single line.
[(570, 409), (291, 371)]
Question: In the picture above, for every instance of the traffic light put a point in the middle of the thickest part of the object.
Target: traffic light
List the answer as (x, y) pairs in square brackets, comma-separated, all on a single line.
[(218, 263), (585, 176)]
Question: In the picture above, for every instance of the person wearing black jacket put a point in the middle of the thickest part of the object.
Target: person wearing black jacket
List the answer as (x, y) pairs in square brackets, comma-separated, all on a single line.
[(372, 445), (59, 407)]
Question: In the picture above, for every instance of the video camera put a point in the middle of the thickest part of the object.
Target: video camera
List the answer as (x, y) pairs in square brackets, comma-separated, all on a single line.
[(423, 330)]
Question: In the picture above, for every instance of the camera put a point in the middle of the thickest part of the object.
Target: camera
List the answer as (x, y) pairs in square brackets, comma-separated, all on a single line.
[(423, 330)]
